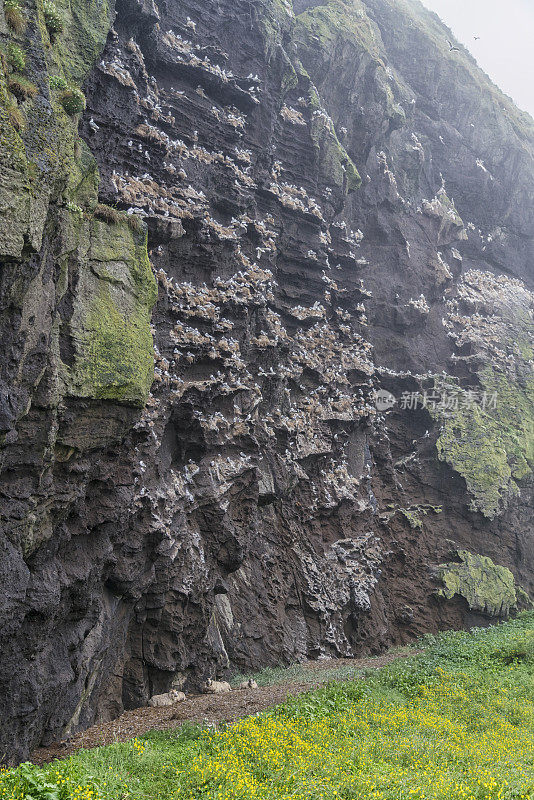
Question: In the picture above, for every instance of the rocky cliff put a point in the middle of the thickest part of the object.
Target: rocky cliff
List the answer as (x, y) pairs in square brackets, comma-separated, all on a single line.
[(232, 233)]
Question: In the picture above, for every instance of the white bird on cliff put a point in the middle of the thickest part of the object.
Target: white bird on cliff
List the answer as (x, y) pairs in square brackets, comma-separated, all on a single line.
[(94, 127)]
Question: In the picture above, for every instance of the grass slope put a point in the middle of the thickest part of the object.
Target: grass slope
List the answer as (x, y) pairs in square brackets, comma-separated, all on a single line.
[(453, 723)]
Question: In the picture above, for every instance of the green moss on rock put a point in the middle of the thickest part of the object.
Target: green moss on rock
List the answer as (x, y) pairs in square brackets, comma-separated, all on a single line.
[(118, 359), (86, 25), (115, 290), (336, 41), (51, 138), (486, 586), (487, 436), (16, 58), (290, 79), (336, 165), (73, 100), (415, 514), (111, 322), (320, 31), (273, 20), (83, 180), (12, 152), (491, 448), (323, 25)]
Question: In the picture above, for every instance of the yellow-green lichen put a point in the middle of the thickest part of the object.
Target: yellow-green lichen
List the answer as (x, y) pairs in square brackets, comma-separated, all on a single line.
[(412, 516), (415, 514), (487, 427), (111, 325), (486, 586), (492, 447), (117, 348)]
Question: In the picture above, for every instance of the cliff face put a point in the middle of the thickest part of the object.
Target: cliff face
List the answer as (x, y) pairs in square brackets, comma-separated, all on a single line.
[(332, 205)]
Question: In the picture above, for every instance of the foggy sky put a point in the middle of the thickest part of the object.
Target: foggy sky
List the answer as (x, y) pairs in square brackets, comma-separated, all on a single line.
[(505, 49)]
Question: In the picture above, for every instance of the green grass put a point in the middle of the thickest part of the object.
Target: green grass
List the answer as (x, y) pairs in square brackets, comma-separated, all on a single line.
[(298, 673), (455, 722)]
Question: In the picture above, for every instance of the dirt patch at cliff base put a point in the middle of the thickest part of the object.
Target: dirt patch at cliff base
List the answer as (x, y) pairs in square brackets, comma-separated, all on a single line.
[(206, 708)]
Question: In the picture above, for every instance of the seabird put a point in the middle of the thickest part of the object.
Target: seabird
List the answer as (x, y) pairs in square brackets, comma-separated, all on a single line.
[(476, 38), (452, 47)]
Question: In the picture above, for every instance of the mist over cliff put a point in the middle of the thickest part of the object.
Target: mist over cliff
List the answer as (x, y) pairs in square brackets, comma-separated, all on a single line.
[(266, 385)]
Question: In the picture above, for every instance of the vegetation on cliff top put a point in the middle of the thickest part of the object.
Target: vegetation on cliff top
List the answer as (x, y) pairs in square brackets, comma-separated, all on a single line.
[(455, 722)]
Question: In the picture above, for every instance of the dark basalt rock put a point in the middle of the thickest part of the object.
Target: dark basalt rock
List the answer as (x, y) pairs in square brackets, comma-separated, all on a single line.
[(256, 506)]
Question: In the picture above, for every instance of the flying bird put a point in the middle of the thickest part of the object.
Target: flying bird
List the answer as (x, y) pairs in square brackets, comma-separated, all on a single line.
[(452, 47), (476, 38)]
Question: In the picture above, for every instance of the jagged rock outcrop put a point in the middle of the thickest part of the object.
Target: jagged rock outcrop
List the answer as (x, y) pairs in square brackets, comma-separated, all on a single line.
[(332, 205)]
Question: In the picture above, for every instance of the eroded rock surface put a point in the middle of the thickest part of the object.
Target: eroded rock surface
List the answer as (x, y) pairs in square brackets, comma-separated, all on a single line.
[(331, 205)]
